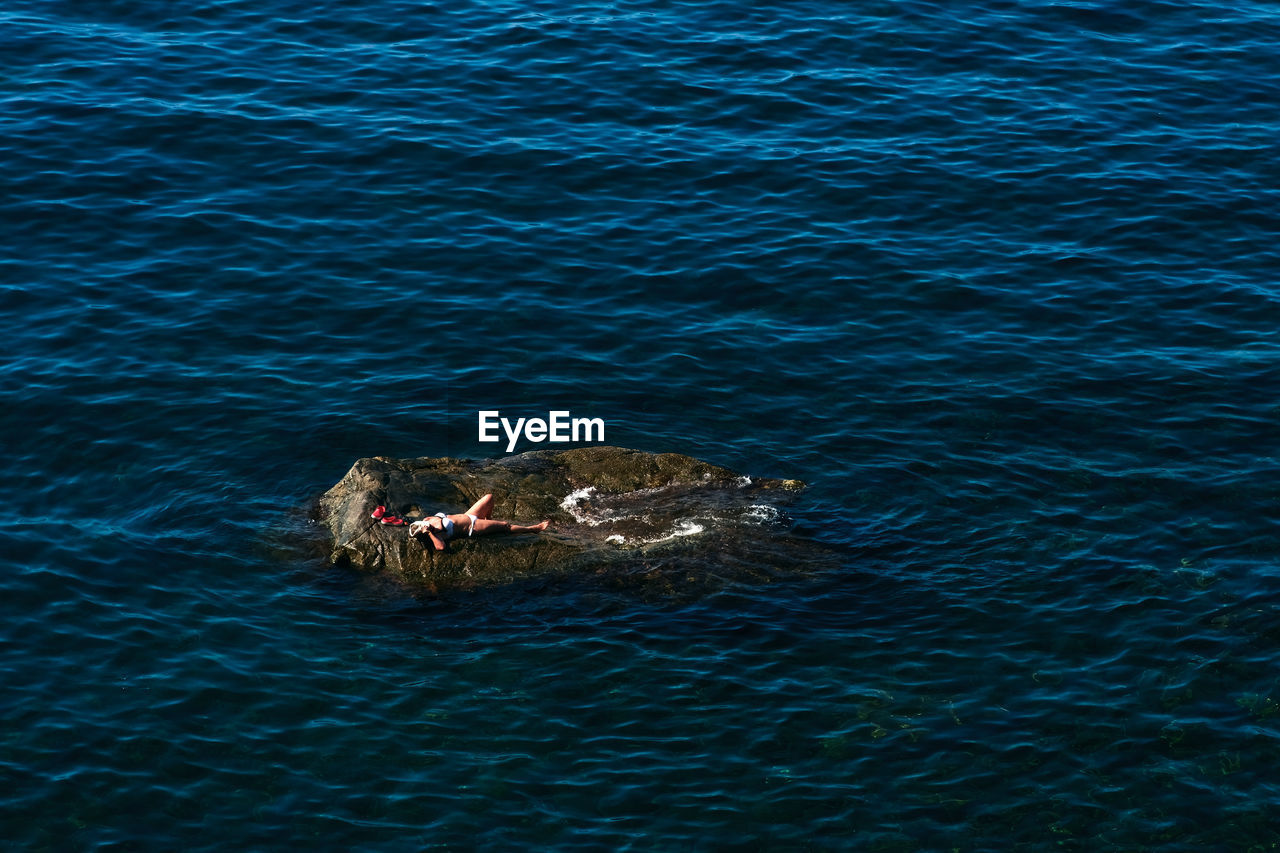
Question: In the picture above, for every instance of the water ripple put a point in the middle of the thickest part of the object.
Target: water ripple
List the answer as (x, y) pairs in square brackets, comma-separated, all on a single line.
[(997, 283)]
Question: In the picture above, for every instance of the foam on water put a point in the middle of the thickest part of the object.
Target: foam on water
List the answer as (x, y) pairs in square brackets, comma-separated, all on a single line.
[(683, 527), (636, 511), (573, 504), (761, 514)]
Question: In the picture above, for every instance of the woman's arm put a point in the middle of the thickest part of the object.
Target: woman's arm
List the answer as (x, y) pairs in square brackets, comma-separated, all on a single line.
[(435, 534)]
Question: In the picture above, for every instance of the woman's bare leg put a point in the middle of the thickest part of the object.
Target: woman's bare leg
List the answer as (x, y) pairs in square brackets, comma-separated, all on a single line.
[(530, 528), (482, 508), (489, 525)]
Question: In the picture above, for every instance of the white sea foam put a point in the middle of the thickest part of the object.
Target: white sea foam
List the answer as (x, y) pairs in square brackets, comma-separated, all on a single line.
[(683, 527), (761, 513), (571, 502), (686, 528), (592, 509)]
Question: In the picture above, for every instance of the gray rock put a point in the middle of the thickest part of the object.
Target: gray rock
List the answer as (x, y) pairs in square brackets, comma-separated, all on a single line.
[(611, 510)]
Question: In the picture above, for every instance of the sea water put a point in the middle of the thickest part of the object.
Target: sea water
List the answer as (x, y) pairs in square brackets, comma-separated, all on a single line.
[(997, 280)]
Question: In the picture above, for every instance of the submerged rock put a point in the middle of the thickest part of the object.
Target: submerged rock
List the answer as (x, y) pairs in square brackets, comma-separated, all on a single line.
[(610, 509)]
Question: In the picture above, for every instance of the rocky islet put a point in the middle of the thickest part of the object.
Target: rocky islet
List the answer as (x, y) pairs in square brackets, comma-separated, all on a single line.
[(611, 509)]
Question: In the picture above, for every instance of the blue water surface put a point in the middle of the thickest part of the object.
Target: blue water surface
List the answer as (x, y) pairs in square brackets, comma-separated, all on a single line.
[(997, 280)]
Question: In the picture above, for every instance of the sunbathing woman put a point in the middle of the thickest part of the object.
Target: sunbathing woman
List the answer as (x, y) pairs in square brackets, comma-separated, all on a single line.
[(441, 527)]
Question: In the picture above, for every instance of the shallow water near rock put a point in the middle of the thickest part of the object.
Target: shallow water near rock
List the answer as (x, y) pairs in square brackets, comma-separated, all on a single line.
[(997, 282)]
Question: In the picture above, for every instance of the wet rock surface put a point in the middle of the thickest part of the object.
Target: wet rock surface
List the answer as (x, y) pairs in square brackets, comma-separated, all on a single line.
[(612, 510)]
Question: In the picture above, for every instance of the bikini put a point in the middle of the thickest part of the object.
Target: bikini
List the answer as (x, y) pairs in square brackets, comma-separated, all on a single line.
[(448, 524)]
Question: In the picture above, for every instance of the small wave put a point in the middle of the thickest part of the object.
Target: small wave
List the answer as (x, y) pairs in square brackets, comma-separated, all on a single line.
[(761, 514), (684, 527), (571, 505), (576, 504)]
